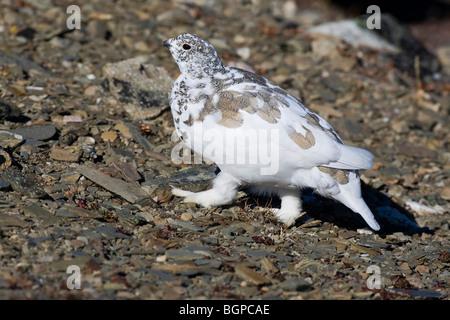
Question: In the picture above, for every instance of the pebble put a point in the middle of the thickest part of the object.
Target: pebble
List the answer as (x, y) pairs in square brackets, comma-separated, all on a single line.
[(140, 88), (41, 132), (23, 183), (10, 140), (8, 110), (247, 274), (126, 190), (64, 155), (110, 136), (41, 214), (186, 216)]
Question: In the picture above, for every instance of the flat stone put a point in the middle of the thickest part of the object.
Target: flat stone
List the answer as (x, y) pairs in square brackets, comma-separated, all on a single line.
[(139, 87), (351, 32), (186, 226), (109, 232), (137, 137), (195, 178), (8, 220), (257, 253), (71, 210), (8, 110), (210, 240), (35, 211), (17, 90), (250, 275), (188, 269), (10, 139), (4, 185), (128, 191), (70, 177), (114, 286), (124, 170), (241, 239), (23, 183), (295, 284), (44, 132), (86, 263), (183, 254), (64, 155), (109, 136), (209, 263), (164, 276)]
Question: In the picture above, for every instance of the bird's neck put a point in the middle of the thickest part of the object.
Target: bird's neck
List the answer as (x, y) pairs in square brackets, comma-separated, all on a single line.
[(197, 70)]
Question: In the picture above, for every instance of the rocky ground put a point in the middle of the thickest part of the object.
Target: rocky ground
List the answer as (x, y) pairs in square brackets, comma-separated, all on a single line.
[(86, 143)]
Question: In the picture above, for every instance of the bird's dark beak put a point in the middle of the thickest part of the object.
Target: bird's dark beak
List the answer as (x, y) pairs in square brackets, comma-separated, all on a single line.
[(166, 43)]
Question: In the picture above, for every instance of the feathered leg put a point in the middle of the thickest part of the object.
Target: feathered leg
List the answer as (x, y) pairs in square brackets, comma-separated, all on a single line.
[(224, 190)]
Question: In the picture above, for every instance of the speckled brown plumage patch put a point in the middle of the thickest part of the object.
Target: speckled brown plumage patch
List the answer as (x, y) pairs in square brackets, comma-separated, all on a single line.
[(303, 141), (314, 121), (231, 102), (340, 175), (190, 121)]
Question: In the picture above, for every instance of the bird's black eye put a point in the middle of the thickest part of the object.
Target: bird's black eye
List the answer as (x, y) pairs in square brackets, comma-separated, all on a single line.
[(185, 46)]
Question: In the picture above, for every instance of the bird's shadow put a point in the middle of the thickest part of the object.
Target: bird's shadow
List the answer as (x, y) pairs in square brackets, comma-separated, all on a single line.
[(391, 216)]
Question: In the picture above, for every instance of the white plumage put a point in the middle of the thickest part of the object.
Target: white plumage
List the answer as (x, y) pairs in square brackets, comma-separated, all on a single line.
[(258, 135)]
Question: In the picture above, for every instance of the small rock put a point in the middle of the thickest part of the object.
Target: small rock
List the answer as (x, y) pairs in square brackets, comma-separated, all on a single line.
[(352, 33), (247, 274), (124, 130), (244, 53), (124, 170), (128, 191), (10, 140), (109, 136), (140, 88), (186, 226), (422, 269), (423, 210), (241, 239), (210, 240), (109, 232), (17, 89), (188, 269), (42, 133), (23, 183), (63, 155), (41, 214), (69, 177), (77, 244), (114, 286), (4, 185), (86, 263), (445, 193), (183, 254), (71, 118), (9, 220), (8, 110), (295, 284), (186, 216)]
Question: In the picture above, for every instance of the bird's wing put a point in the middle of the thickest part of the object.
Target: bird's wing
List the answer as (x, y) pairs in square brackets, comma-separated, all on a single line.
[(303, 134)]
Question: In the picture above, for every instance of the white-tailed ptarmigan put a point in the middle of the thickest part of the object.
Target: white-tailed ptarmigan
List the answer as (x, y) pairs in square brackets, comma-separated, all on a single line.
[(258, 135)]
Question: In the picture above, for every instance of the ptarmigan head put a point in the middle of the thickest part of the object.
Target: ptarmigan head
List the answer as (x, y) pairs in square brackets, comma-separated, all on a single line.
[(195, 56)]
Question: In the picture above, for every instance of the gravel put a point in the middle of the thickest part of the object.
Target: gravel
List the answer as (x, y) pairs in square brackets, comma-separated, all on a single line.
[(85, 160)]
